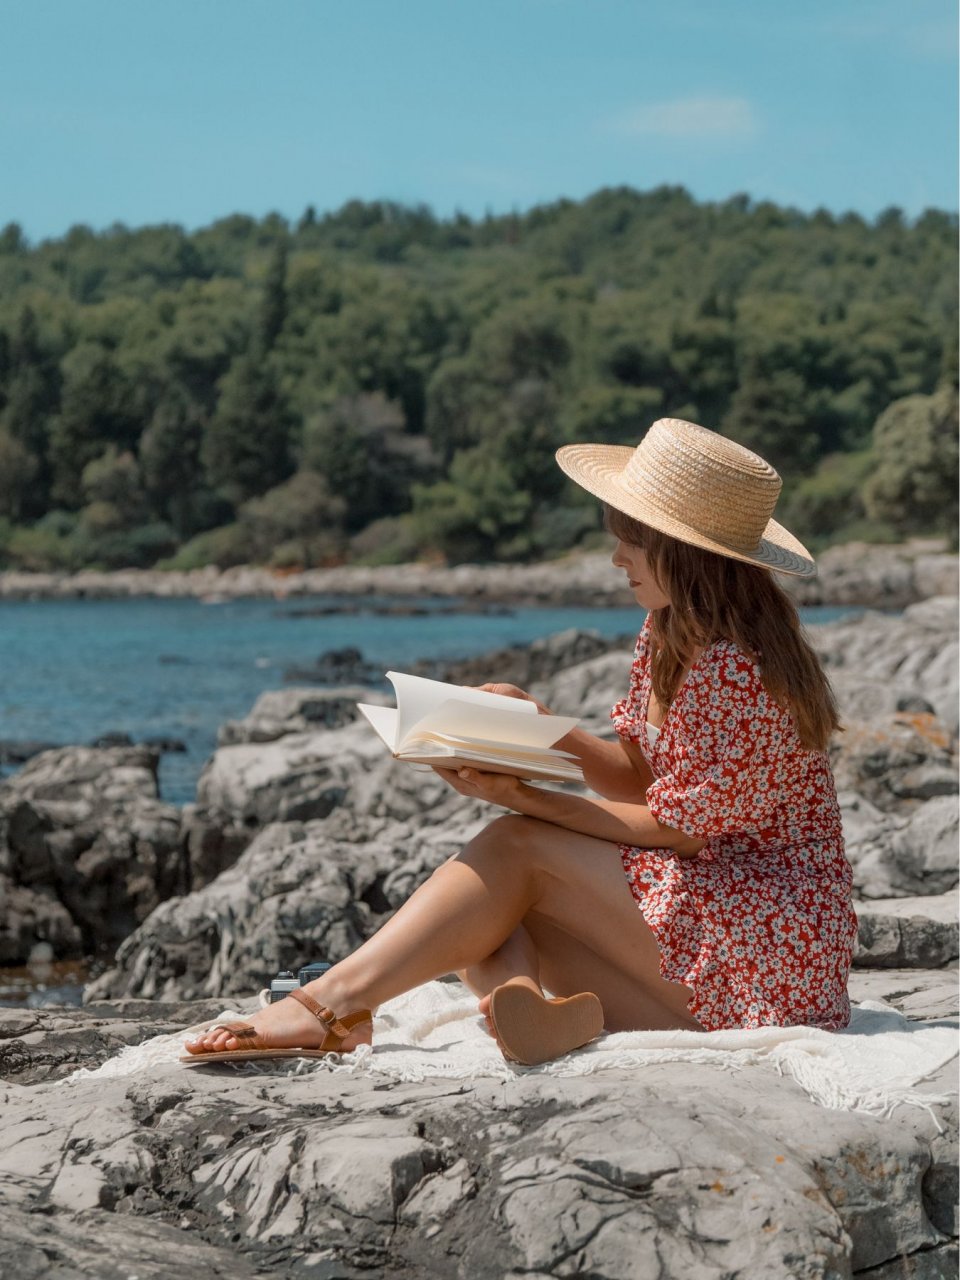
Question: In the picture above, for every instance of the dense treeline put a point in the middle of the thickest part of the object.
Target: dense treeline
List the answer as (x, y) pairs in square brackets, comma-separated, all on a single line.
[(377, 384)]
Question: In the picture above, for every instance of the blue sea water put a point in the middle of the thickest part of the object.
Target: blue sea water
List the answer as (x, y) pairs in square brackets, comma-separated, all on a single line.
[(76, 669)]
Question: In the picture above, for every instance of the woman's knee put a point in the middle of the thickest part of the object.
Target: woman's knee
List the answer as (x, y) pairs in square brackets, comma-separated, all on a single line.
[(511, 835)]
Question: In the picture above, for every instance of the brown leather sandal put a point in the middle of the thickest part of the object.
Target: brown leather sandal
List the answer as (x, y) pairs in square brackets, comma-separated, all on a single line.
[(255, 1048), (531, 1029)]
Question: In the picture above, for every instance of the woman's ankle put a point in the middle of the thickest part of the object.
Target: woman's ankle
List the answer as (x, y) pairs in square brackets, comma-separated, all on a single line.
[(335, 994)]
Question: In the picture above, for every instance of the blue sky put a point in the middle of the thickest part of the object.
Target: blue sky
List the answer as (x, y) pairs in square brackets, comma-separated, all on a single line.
[(144, 111)]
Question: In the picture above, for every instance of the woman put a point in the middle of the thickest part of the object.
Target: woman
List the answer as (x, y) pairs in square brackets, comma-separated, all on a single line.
[(704, 885)]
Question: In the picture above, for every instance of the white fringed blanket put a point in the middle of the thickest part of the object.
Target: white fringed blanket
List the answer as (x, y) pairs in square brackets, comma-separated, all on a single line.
[(874, 1065)]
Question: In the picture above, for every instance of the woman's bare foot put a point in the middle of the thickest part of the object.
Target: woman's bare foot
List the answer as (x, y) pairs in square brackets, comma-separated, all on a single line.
[(284, 1025)]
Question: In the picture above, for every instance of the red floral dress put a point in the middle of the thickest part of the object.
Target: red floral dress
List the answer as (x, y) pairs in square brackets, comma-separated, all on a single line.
[(759, 925)]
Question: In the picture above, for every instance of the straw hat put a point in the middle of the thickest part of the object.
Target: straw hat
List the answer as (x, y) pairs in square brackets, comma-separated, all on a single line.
[(697, 487)]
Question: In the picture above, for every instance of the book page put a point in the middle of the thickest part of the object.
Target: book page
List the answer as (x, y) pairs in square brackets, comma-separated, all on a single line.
[(457, 719), (421, 743), (546, 769), (384, 720), (418, 697)]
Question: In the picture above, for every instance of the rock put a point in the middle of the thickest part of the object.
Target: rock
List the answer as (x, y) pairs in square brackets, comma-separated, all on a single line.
[(902, 933), (527, 665), (298, 892), (683, 1171), (880, 576), (856, 573), (298, 776), (895, 760), (31, 916), (917, 993), (915, 654), (589, 689), (173, 746), (279, 712), (19, 750), (83, 830), (113, 739), (47, 1044), (337, 667), (896, 856), (211, 841)]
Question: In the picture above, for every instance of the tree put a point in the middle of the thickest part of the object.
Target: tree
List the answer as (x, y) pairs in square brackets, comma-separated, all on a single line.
[(299, 522), (273, 306), (914, 485), (170, 465), (360, 447), (12, 239), (32, 397), (18, 470), (97, 409), (112, 483), (769, 413), (468, 515), (246, 446)]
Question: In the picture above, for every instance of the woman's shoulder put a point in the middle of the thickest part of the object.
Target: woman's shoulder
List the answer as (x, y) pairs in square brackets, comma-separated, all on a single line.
[(733, 674)]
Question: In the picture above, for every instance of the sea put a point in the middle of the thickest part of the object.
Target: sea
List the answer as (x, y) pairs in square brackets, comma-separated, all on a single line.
[(76, 670)]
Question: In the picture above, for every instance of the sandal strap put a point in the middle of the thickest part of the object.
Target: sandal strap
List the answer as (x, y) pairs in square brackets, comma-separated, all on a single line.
[(339, 1027)]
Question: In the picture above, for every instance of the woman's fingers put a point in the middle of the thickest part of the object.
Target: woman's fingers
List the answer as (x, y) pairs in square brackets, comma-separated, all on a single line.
[(513, 691), (498, 788)]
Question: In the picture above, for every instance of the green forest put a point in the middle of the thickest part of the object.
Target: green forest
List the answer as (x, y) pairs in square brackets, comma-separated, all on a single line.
[(378, 384)]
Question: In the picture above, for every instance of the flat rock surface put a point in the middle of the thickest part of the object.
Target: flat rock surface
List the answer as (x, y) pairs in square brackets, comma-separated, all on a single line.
[(683, 1170), (917, 993)]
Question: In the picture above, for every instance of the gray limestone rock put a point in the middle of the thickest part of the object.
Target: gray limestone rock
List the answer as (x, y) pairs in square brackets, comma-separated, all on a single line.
[(900, 933), (917, 650), (298, 893), (31, 916), (875, 575), (84, 836), (895, 856), (917, 993), (880, 576), (682, 1171), (279, 712), (531, 664)]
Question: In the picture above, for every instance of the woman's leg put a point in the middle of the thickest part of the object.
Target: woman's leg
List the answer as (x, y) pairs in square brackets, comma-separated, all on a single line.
[(467, 911)]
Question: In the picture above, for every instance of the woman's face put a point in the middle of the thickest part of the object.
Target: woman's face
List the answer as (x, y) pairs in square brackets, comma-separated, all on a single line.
[(633, 561)]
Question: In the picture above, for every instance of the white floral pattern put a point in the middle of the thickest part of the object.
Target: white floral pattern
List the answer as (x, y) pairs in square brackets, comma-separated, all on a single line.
[(760, 924)]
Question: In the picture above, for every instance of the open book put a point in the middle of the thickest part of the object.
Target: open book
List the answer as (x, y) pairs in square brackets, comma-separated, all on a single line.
[(450, 725)]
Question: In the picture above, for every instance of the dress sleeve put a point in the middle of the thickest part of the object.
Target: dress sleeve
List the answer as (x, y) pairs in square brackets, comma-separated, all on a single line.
[(728, 768)]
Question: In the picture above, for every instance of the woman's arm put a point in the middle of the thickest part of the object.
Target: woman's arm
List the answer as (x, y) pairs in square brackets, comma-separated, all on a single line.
[(616, 821), (614, 770)]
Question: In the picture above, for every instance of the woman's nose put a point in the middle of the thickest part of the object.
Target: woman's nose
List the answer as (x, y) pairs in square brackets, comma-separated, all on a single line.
[(617, 556)]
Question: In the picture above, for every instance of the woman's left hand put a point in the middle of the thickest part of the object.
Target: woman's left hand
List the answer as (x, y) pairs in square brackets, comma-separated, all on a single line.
[(498, 788)]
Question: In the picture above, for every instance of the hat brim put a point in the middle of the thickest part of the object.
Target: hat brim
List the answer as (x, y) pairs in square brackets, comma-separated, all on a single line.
[(598, 467)]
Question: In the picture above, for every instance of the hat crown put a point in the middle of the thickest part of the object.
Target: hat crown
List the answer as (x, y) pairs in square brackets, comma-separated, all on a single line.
[(715, 486)]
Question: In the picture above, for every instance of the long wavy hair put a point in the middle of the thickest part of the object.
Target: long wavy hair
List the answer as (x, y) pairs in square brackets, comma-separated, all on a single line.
[(714, 597)]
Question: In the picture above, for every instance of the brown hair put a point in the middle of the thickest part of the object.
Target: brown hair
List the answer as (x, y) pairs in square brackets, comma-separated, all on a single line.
[(714, 597)]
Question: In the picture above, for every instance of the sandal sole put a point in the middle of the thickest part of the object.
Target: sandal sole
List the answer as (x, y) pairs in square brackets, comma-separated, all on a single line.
[(251, 1055), (531, 1029)]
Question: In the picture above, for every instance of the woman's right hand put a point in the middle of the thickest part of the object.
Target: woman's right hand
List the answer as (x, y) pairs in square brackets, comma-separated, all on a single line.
[(511, 691)]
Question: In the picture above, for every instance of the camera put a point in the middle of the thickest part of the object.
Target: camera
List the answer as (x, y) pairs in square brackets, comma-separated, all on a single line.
[(285, 981)]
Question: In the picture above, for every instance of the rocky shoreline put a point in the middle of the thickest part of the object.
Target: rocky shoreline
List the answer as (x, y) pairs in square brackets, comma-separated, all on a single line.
[(868, 574), (304, 836)]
